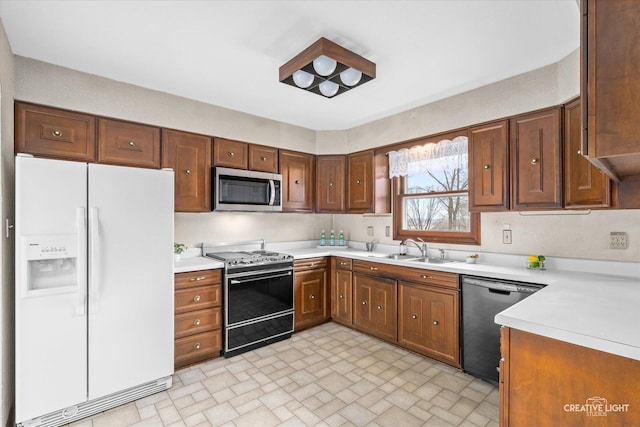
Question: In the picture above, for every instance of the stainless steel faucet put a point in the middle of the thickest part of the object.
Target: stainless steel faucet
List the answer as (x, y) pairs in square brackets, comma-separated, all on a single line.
[(422, 247), (441, 253)]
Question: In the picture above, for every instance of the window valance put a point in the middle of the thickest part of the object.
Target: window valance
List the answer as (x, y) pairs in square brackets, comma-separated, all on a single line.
[(429, 157)]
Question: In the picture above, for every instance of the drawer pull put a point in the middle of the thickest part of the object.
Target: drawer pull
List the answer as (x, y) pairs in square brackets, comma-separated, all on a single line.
[(197, 279), (196, 298), (57, 133), (579, 153), (425, 276), (487, 166), (364, 302), (380, 307), (196, 322), (341, 296), (263, 158), (414, 316), (373, 268), (344, 263), (534, 161), (132, 144), (435, 322), (312, 297), (231, 154), (311, 264), (196, 346), (188, 172)]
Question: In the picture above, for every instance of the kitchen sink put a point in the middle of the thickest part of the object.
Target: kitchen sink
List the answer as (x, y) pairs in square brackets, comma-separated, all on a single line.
[(432, 260), (398, 257)]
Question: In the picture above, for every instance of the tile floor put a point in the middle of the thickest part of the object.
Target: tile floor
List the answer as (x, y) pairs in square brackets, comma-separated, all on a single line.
[(326, 376)]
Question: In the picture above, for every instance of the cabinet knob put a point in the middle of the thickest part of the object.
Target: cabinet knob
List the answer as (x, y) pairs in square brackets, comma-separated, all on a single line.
[(364, 302), (341, 296), (425, 276), (231, 154), (534, 161), (197, 279), (196, 322), (297, 181), (196, 298), (579, 153), (312, 297), (188, 171), (358, 181), (311, 264), (435, 322), (487, 166), (263, 158), (196, 346), (331, 184), (380, 307), (132, 144), (373, 268), (414, 316), (57, 133)]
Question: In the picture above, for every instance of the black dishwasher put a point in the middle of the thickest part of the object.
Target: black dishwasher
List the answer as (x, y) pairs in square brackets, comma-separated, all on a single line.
[(482, 299)]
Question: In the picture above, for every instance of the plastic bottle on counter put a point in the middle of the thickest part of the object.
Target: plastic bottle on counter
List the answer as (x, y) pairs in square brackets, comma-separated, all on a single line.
[(341, 238), (323, 239), (332, 238)]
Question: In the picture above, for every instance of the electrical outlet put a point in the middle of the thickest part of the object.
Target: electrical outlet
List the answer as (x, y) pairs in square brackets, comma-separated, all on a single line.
[(387, 231), (370, 230), (506, 237), (618, 240)]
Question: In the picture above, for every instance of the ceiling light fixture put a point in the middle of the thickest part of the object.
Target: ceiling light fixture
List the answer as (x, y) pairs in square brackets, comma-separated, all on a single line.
[(327, 69)]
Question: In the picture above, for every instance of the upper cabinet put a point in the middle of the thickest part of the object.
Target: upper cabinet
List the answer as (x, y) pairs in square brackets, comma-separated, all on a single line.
[(189, 155), (128, 144), (230, 154), (536, 160), (297, 171), (263, 159), (584, 185), (489, 167), (50, 132), (360, 183), (610, 75), (330, 183)]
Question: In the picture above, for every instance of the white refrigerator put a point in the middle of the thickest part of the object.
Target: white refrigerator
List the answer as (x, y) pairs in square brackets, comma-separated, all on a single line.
[(94, 287)]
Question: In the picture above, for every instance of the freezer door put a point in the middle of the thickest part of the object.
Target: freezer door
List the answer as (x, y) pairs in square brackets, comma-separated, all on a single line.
[(130, 277), (50, 315)]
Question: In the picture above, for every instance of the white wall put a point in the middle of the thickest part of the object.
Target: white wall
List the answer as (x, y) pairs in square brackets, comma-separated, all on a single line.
[(6, 247)]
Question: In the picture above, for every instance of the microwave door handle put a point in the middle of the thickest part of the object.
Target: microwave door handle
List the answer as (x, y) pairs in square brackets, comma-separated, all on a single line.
[(272, 191)]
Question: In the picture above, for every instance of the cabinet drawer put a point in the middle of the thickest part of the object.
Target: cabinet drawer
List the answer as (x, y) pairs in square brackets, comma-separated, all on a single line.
[(264, 159), (198, 298), (194, 322), (128, 144), (198, 278), (54, 133), (197, 347), (310, 264), (230, 154), (375, 269), (344, 263), (429, 277)]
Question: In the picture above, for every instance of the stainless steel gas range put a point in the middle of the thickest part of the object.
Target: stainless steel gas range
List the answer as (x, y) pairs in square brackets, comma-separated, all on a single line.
[(258, 294)]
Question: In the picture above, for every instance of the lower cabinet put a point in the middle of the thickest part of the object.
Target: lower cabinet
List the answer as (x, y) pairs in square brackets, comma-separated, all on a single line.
[(342, 292), (310, 292), (428, 321), (375, 305), (198, 316)]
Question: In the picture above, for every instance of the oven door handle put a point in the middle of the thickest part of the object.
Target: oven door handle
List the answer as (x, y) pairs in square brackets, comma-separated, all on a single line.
[(253, 279)]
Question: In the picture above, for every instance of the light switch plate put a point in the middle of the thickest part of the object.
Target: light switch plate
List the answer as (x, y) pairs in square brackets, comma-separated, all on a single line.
[(370, 230), (387, 231), (506, 237)]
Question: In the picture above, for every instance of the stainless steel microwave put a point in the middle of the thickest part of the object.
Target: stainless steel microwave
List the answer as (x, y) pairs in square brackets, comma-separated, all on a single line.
[(243, 190)]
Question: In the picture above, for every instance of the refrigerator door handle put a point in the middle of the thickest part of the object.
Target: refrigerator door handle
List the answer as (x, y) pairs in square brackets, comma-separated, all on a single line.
[(81, 263), (94, 254)]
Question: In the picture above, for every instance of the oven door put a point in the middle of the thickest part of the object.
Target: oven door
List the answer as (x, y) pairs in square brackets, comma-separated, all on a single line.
[(258, 307)]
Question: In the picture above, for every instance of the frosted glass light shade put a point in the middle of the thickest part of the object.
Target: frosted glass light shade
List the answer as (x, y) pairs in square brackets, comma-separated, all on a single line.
[(328, 88), (324, 65), (302, 79), (350, 76)]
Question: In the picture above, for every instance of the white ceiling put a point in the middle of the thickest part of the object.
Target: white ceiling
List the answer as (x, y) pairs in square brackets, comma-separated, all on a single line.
[(227, 53)]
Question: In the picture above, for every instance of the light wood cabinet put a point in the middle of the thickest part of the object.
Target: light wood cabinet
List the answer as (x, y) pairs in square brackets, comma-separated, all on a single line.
[(536, 160), (375, 305), (189, 155), (310, 292), (610, 76), (263, 159), (128, 144), (230, 154), (198, 318), (330, 184), (489, 167), (342, 292), (584, 185), (52, 132), (540, 377), (297, 171), (428, 321)]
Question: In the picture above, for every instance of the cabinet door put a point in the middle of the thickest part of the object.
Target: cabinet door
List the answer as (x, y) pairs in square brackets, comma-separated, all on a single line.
[(330, 183), (375, 306), (536, 160), (55, 133), (263, 159), (360, 182), (489, 167), (297, 171), (428, 321), (584, 184), (189, 155), (230, 154), (309, 291), (128, 144), (341, 297)]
